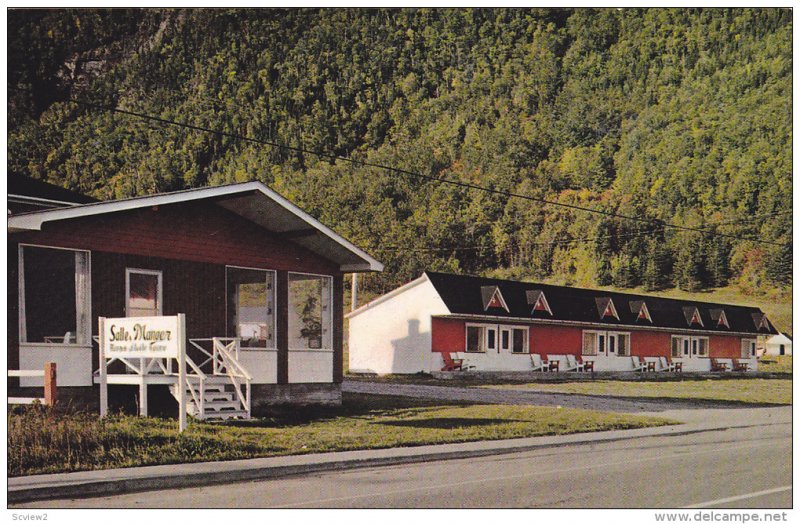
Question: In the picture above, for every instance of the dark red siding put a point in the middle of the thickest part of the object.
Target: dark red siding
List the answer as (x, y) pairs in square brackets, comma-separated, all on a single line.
[(650, 343), (725, 347), (197, 232), (556, 340), (447, 335)]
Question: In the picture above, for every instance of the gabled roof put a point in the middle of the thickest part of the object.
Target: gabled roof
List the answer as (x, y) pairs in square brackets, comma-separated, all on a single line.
[(26, 194), (462, 296), (253, 201)]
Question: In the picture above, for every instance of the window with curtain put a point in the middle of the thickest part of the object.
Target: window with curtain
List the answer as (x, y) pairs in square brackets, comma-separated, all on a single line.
[(476, 340), (589, 343), (54, 296)]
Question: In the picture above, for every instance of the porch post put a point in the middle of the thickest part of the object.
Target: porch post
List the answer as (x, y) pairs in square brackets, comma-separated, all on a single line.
[(282, 332), (103, 378), (181, 372), (50, 388), (142, 395), (338, 328)]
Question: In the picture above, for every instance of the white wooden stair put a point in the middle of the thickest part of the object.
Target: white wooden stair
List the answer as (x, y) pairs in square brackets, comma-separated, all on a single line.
[(218, 402)]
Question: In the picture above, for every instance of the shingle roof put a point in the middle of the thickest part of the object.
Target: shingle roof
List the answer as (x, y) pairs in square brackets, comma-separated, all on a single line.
[(19, 185), (462, 296)]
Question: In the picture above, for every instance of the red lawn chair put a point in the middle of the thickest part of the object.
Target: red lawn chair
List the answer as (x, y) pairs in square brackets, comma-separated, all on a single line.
[(452, 364)]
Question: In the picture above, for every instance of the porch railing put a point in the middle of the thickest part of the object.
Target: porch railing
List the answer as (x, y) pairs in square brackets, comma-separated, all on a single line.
[(214, 359), (222, 360)]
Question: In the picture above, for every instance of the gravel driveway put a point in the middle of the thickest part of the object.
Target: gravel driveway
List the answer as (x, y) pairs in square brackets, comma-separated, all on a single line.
[(522, 397)]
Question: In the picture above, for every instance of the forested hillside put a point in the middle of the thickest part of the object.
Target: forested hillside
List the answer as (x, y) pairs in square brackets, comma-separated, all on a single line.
[(681, 116)]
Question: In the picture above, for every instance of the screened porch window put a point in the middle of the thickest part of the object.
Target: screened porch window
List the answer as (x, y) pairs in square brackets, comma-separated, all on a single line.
[(251, 306), (310, 311), (54, 293)]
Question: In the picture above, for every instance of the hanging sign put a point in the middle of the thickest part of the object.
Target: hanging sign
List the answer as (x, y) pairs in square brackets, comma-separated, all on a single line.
[(141, 337)]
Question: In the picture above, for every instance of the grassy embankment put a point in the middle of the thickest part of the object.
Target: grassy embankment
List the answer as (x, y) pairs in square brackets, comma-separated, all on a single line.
[(756, 391), (40, 441)]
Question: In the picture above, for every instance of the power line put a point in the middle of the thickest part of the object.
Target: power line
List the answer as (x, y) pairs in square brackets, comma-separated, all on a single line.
[(364, 163), (569, 241), (550, 243)]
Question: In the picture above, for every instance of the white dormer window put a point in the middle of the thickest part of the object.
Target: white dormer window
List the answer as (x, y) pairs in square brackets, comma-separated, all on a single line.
[(492, 298), (539, 301), (718, 316), (639, 308), (692, 315), (760, 320), (605, 307)]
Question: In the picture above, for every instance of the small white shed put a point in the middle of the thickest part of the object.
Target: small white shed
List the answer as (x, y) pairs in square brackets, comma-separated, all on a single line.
[(779, 344)]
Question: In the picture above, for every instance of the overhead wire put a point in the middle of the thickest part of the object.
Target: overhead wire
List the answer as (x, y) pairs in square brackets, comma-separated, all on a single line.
[(456, 183)]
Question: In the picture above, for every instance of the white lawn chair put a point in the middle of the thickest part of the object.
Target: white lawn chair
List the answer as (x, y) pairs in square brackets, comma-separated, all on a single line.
[(573, 364), (639, 365), (537, 362), (666, 365)]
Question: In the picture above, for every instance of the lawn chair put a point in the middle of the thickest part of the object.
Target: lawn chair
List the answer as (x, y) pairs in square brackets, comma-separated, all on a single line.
[(718, 366), (588, 365), (639, 364), (452, 364), (648, 365), (552, 363), (668, 365), (465, 365), (573, 364), (537, 362), (739, 365)]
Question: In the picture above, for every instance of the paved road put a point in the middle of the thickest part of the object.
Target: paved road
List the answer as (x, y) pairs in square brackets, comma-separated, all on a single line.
[(742, 467), (520, 396)]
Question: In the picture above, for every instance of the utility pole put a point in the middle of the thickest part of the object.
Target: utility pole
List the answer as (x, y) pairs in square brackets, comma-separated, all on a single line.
[(354, 293)]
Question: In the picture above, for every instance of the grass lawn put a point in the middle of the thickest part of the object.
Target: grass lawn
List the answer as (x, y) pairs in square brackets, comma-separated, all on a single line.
[(775, 364), (40, 441), (759, 391)]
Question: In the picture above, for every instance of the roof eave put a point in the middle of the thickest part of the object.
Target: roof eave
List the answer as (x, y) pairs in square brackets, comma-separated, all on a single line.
[(33, 221)]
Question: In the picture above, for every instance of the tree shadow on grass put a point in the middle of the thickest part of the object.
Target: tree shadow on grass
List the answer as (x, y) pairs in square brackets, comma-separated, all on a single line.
[(446, 423), (354, 405)]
